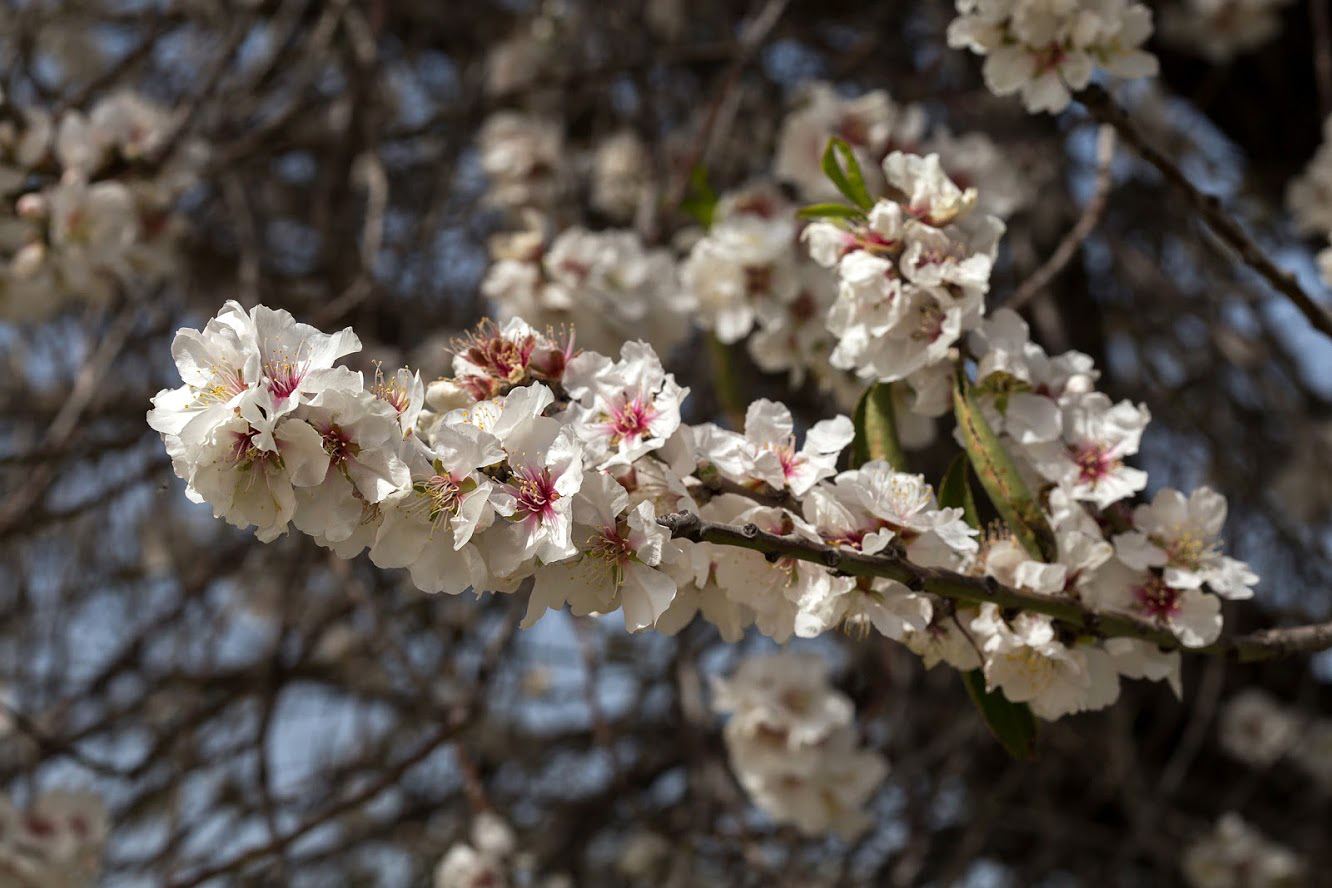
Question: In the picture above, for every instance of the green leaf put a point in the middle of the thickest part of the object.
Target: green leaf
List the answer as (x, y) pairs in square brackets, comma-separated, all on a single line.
[(955, 490), (876, 428), (1012, 724), (843, 170), (700, 200), (999, 476), (830, 211)]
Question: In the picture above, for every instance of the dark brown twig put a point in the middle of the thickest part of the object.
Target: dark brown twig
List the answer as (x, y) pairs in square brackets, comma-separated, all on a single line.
[(1105, 109)]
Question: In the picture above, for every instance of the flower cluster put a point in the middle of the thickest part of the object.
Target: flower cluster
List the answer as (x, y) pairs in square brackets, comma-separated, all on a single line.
[(490, 860), (92, 199), (1235, 855), (56, 842), (1044, 49), (1257, 729), (1309, 199), (1219, 30), (912, 275), (540, 467), (605, 284), (793, 746)]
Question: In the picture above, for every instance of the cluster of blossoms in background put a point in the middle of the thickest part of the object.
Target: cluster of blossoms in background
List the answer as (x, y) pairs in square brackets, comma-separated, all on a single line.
[(1219, 30), (88, 201), (490, 860), (1309, 199), (57, 841), (1235, 855), (1259, 730), (740, 279), (1044, 49), (793, 745)]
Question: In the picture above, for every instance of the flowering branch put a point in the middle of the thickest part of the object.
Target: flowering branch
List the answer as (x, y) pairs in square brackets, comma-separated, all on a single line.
[(1267, 644), (1105, 109)]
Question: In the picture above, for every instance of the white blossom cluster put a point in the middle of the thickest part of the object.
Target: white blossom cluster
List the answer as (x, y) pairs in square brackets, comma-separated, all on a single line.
[(792, 742), (1048, 49), (490, 860), (1259, 730), (912, 277), (537, 461), (874, 126), (607, 285), (87, 201), (1219, 30), (56, 843), (1235, 855), (1309, 199)]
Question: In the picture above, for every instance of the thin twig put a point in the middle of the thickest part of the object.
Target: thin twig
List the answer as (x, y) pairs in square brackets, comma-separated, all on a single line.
[(1106, 110), (1081, 230), (1265, 645)]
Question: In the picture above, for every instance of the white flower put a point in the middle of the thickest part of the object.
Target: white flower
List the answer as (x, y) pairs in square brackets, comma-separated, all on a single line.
[(1183, 536), (618, 552), (1309, 195), (1256, 729), (1089, 460), (1219, 30), (361, 436), (770, 433), (246, 466), (743, 265), (546, 462), (1194, 616), (792, 745), (1044, 49), (865, 508), (1025, 660), (626, 409), (1235, 855), (524, 157), (621, 175), (888, 606), (428, 525)]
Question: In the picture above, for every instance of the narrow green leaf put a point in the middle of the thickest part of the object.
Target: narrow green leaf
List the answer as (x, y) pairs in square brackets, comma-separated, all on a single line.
[(999, 476), (843, 170), (829, 210), (855, 178), (1012, 724), (955, 490), (876, 428), (700, 200)]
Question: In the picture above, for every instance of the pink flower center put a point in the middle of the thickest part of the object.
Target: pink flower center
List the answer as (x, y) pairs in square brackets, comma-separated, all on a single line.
[(284, 377), (338, 444), (1094, 461), (244, 452), (630, 420), (611, 545), (536, 493), (1156, 599)]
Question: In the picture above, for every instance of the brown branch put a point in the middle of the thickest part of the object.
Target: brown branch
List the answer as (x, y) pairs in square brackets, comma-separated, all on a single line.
[(1104, 109), (1081, 230), (1265, 645)]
